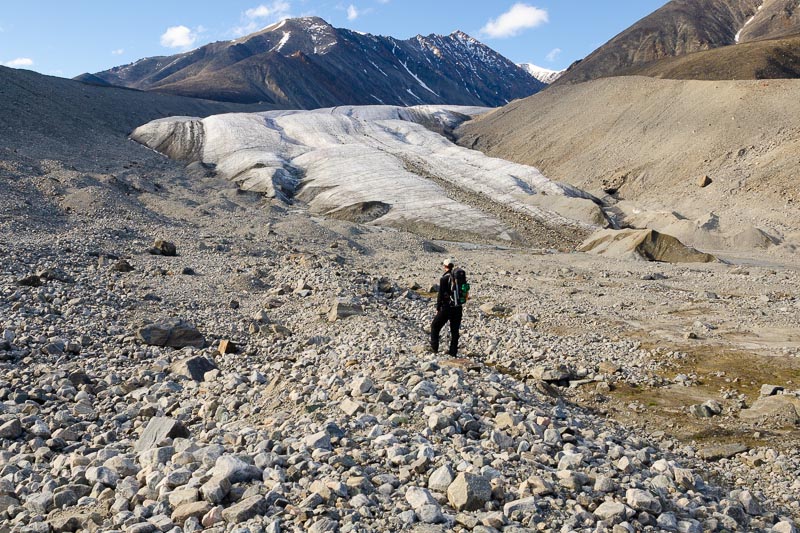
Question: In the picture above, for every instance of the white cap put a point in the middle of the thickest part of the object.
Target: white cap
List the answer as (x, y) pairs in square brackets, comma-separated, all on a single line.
[(449, 262)]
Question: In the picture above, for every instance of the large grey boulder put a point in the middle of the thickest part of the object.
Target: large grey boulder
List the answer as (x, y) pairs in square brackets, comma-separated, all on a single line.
[(173, 332), (158, 429), (773, 411), (469, 492), (235, 470), (193, 367), (11, 430)]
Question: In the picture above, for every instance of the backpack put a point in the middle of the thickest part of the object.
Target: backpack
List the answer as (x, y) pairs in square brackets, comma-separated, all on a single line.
[(459, 287)]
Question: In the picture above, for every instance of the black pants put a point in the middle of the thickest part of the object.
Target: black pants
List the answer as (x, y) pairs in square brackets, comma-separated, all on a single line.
[(445, 314)]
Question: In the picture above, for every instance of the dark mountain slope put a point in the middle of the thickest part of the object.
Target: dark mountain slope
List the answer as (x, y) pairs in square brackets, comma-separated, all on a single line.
[(685, 26), (769, 59), (307, 63)]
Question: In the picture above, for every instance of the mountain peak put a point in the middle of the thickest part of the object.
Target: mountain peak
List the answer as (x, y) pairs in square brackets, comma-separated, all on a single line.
[(307, 63)]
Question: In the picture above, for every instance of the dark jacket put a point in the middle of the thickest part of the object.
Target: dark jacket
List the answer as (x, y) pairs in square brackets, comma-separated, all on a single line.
[(445, 298)]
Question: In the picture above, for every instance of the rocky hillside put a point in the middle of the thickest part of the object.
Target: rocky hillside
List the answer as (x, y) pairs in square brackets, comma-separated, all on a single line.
[(307, 63), (757, 60), (713, 163), (44, 113), (685, 26)]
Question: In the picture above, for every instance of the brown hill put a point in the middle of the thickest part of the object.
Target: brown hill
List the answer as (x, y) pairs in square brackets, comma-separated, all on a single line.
[(652, 140), (768, 59), (683, 27), (45, 115)]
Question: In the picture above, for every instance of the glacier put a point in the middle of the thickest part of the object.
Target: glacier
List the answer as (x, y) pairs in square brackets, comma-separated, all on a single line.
[(384, 165)]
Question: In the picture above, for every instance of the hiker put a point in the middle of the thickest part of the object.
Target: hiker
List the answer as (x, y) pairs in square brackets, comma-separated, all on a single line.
[(453, 293)]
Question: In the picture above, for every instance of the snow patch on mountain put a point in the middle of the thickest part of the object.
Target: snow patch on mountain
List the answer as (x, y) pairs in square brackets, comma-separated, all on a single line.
[(544, 75), (751, 19)]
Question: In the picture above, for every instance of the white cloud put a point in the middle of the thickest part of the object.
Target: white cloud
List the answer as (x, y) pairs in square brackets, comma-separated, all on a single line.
[(19, 62), (520, 17), (178, 37), (278, 8), (352, 12), (553, 55), (118, 51), (260, 16)]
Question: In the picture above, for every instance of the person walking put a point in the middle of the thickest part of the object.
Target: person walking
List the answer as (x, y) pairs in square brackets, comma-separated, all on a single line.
[(449, 305)]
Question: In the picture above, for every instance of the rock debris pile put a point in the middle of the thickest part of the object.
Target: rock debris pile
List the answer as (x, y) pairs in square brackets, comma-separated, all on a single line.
[(293, 392)]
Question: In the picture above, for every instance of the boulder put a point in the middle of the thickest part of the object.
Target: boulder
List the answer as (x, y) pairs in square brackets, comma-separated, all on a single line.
[(158, 429), (193, 367), (245, 510), (642, 245), (344, 309), (11, 430), (189, 510), (235, 470), (74, 520), (773, 411), (725, 451), (162, 247), (641, 500), (175, 333), (771, 390), (469, 492), (610, 510)]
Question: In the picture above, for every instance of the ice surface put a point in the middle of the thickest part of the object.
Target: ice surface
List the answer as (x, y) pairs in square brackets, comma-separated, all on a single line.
[(348, 156)]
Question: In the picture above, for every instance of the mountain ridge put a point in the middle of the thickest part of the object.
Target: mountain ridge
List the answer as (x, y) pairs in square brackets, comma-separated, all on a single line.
[(307, 63), (683, 27)]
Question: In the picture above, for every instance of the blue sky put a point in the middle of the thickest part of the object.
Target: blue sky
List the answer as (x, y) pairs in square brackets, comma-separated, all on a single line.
[(69, 37)]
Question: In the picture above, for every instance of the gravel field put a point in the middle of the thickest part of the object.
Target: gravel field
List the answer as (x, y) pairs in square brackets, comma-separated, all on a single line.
[(328, 414)]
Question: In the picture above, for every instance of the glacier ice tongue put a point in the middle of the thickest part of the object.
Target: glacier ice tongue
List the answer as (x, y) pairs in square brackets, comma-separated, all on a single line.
[(385, 165)]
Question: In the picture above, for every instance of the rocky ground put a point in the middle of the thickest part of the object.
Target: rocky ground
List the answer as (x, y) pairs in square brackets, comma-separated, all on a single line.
[(592, 395)]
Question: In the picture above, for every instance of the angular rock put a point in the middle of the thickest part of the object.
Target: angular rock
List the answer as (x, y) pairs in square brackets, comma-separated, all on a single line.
[(524, 505), (193, 367), (418, 497), (773, 411), (187, 510), (235, 470), (158, 429), (441, 478), (216, 489), (245, 510), (641, 500), (610, 510), (318, 441), (771, 390), (11, 430), (469, 492), (344, 309), (725, 451), (174, 333)]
